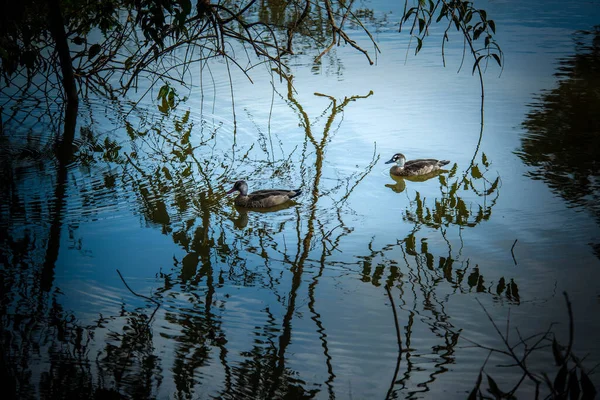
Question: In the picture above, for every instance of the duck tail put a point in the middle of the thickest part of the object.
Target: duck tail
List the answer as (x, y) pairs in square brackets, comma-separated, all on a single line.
[(297, 192), (443, 162)]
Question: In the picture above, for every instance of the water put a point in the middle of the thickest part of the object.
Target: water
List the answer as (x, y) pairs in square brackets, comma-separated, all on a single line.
[(295, 302)]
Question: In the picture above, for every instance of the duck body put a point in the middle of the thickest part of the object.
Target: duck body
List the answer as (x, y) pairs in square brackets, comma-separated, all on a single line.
[(261, 198), (418, 167)]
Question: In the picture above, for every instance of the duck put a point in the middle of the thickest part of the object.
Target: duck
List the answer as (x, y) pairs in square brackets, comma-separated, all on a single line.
[(261, 198), (414, 167)]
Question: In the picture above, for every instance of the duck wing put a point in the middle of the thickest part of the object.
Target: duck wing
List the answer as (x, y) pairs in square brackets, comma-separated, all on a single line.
[(420, 163), (262, 194), (270, 197)]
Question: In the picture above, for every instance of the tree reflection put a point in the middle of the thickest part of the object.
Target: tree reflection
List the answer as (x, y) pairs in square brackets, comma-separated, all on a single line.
[(419, 274), (562, 142), (168, 166)]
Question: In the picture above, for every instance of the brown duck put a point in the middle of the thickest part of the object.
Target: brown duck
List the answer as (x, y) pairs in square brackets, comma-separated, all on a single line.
[(261, 198), (414, 167)]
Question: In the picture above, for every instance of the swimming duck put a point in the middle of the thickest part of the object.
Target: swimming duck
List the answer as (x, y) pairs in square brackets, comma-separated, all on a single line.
[(261, 198), (414, 167)]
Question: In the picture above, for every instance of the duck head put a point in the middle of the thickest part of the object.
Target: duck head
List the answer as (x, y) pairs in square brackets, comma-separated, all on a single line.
[(397, 158), (239, 186)]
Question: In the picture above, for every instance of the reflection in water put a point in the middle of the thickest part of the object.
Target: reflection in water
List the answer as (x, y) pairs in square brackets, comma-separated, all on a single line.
[(563, 139), (400, 184), (241, 219), (246, 286), (279, 257)]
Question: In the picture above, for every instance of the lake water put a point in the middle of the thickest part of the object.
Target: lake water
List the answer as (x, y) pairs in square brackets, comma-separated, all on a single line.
[(296, 302)]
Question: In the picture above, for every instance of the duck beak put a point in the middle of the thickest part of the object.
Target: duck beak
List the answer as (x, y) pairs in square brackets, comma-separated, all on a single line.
[(231, 191), (390, 161)]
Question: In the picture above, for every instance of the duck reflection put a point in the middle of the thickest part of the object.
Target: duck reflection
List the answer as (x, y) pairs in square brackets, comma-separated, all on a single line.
[(240, 221), (400, 181)]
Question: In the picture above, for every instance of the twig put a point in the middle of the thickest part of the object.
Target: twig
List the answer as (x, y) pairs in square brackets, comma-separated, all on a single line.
[(398, 335), (136, 294), (511, 251), (571, 327)]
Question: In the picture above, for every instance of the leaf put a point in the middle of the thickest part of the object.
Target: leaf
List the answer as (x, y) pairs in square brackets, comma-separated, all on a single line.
[(468, 17), (162, 93), (573, 385), (558, 357), (186, 7), (94, 50), (476, 63), (484, 160), (494, 389), (167, 173), (588, 391), (473, 394), (443, 12), (492, 25), (483, 15), (78, 40), (475, 173), (497, 58), (443, 180), (421, 25), (419, 45), (561, 379)]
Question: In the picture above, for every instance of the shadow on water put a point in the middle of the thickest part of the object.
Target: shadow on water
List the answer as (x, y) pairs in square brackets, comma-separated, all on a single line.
[(562, 142)]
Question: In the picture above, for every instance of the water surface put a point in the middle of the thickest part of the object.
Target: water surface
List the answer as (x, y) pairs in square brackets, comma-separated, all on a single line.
[(297, 302)]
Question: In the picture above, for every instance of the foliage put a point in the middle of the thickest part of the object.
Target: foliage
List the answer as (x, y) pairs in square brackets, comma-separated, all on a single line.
[(114, 43), (472, 22)]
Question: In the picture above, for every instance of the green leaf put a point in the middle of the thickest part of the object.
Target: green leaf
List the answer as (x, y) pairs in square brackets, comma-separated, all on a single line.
[(492, 25), (475, 173), (94, 50), (167, 173), (484, 160), (419, 45), (162, 93)]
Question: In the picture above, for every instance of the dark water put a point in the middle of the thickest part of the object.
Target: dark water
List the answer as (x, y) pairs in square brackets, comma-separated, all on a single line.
[(304, 301)]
